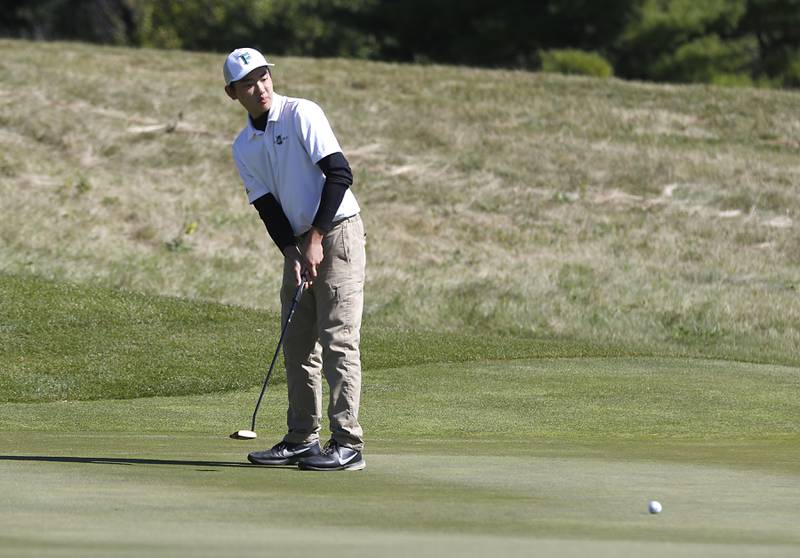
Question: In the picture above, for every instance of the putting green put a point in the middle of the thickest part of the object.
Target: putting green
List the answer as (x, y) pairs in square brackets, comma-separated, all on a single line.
[(510, 458)]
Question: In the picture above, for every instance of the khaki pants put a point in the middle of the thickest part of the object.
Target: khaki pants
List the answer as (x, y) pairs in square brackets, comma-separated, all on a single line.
[(324, 337)]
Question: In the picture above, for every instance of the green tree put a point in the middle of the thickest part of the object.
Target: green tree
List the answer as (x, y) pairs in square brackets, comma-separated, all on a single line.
[(98, 21), (728, 41), (684, 40), (776, 26), (301, 27), (509, 33), (200, 24)]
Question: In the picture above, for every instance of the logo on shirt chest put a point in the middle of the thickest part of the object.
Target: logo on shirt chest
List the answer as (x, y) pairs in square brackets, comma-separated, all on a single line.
[(279, 139)]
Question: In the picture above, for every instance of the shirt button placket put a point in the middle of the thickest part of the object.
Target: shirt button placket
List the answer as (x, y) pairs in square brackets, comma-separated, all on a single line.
[(269, 148), (277, 152)]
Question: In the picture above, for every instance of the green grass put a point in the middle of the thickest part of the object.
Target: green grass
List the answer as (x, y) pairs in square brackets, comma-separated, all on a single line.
[(558, 456), (69, 342), (544, 447), (181, 495)]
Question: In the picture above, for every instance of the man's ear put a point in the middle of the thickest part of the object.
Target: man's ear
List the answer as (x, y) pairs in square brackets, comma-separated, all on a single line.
[(229, 89)]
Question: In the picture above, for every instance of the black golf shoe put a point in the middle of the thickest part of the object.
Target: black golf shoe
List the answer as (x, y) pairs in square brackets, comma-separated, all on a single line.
[(334, 458), (284, 453)]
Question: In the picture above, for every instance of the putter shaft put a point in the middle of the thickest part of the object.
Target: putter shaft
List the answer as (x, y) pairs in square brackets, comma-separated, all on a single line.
[(297, 294)]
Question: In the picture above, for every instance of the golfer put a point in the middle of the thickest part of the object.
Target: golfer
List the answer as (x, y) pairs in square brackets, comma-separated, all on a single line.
[(297, 178)]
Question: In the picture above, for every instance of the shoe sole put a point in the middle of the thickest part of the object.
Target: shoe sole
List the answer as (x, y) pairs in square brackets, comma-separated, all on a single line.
[(357, 466), (284, 463), (271, 464)]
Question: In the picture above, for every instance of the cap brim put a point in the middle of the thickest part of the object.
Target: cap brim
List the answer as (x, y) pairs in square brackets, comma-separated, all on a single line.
[(240, 76)]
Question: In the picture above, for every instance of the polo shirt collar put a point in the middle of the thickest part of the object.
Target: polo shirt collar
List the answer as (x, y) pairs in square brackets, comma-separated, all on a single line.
[(277, 107), (274, 112)]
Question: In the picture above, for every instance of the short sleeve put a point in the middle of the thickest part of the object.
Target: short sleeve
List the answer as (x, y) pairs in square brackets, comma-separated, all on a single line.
[(252, 186), (315, 131)]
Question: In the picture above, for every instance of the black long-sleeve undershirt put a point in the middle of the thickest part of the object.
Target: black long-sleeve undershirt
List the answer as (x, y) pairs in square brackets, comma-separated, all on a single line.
[(338, 178), (278, 226)]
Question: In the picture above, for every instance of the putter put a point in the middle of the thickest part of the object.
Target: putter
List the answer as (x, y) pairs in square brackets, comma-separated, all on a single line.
[(251, 434)]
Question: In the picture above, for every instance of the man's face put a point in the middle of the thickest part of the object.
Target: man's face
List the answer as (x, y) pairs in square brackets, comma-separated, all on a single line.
[(253, 91)]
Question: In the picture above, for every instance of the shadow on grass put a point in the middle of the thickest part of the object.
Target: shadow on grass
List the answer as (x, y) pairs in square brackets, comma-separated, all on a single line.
[(125, 461)]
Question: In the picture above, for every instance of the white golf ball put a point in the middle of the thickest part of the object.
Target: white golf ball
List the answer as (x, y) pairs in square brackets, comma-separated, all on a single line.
[(655, 506)]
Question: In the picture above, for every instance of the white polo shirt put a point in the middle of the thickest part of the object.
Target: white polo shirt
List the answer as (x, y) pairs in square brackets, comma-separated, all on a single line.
[(282, 160)]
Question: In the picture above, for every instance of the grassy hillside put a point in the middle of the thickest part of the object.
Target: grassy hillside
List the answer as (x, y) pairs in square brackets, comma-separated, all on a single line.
[(495, 201)]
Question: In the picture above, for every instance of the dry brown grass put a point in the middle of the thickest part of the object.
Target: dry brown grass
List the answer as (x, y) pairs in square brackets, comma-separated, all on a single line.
[(657, 216)]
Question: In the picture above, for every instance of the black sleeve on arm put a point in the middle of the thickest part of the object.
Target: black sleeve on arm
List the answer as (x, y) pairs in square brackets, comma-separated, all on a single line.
[(338, 178), (278, 226)]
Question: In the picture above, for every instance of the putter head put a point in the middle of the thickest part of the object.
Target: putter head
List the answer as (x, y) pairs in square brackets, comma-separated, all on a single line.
[(244, 435)]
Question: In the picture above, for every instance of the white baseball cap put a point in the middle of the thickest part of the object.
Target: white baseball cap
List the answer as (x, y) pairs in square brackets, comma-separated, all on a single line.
[(241, 62)]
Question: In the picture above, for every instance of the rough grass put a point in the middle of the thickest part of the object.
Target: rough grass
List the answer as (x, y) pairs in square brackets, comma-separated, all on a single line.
[(495, 201)]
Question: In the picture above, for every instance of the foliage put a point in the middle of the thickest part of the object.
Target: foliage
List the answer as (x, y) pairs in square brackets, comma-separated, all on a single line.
[(101, 21), (776, 26), (703, 60), (791, 76), (309, 27), (510, 33), (728, 41), (718, 41), (679, 40), (574, 61)]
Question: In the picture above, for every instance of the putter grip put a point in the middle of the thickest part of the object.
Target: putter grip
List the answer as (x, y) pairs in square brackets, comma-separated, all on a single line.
[(299, 292), (300, 288)]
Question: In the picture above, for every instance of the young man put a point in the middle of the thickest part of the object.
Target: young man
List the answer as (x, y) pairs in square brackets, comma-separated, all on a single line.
[(297, 178)]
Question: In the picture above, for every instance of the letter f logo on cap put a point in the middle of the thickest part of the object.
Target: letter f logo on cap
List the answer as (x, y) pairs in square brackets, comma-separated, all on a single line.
[(242, 61)]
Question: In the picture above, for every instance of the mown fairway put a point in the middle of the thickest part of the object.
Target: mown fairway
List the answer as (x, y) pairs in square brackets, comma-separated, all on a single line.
[(582, 295), (566, 464), (187, 495)]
